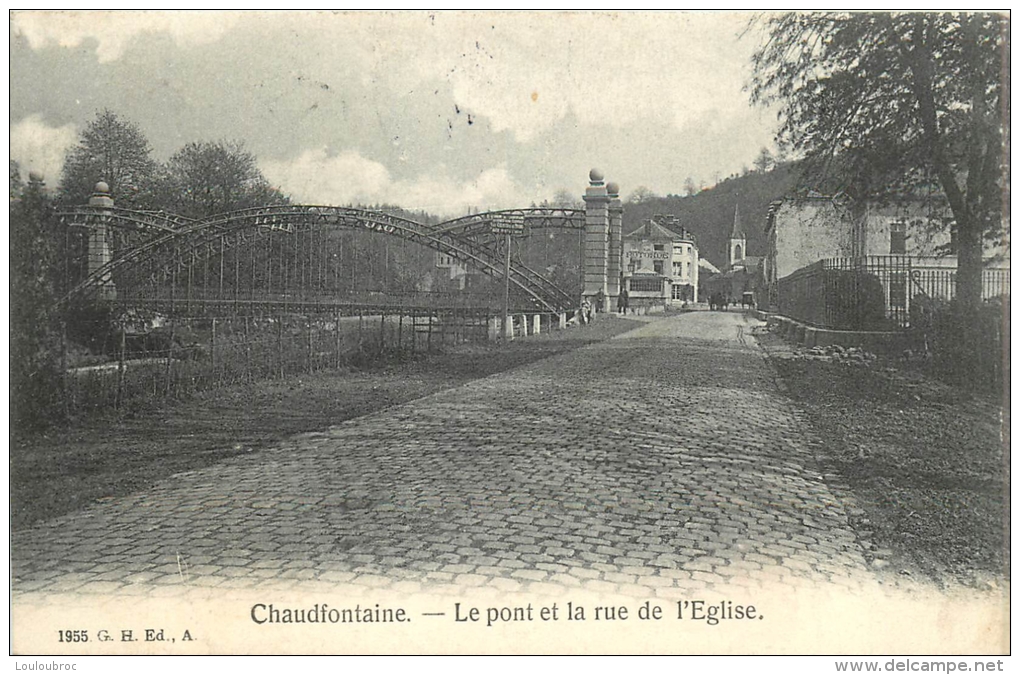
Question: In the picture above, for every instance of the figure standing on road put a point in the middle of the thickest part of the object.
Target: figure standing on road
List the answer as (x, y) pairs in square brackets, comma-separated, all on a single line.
[(586, 310), (621, 302)]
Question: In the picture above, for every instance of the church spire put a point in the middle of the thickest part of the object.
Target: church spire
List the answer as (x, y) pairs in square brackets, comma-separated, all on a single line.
[(738, 242), (738, 229)]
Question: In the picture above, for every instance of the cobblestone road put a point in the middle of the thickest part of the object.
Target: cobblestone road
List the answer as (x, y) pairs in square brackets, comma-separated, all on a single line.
[(657, 462)]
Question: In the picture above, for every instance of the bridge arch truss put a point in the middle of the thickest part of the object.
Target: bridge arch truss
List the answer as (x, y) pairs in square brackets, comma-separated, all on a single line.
[(166, 253)]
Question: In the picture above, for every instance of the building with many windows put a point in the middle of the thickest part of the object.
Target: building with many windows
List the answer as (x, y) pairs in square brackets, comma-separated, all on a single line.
[(660, 264)]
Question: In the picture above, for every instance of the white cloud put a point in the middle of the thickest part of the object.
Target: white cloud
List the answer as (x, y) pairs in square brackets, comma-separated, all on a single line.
[(113, 30), (524, 71), (318, 177), (36, 146)]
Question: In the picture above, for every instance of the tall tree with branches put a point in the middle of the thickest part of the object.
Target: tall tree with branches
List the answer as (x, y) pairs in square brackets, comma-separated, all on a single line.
[(115, 151), (896, 102), (202, 179)]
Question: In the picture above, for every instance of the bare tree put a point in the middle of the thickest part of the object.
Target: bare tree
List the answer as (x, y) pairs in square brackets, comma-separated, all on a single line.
[(641, 194), (690, 188)]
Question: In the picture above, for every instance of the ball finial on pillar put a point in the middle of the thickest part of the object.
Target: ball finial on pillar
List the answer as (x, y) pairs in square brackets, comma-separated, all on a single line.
[(101, 196), (613, 189), (596, 177)]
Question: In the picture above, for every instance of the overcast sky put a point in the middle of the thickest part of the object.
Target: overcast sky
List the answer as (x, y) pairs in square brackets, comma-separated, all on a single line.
[(442, 112)]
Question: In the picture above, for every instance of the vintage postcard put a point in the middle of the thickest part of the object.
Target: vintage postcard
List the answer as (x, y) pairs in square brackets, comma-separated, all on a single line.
[(510, 333)]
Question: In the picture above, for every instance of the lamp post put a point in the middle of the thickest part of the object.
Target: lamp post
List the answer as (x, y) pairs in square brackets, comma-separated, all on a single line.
[(507, 225)]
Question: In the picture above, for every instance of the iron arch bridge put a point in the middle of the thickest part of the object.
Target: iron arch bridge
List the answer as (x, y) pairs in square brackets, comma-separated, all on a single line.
[(290, 255)]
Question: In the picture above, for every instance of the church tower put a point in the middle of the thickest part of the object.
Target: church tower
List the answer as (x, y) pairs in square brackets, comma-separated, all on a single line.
[(738, 243)]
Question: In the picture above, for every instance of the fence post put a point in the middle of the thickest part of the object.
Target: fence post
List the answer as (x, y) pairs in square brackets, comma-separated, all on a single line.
[(120, 368), (338, 344), (400, 333), (63, 369), (279, 345), (212, 348), (247, 351), (382, 332), (414, 332), (311, 357), (170, 356), (428, 343)]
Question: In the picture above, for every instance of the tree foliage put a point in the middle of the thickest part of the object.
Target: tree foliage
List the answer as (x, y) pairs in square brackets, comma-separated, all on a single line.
[(565, 199), (765, 161), (116, 152), (641, 194), (690, 187), (35, 238), (16, 185), (202, 179), (893, 103)]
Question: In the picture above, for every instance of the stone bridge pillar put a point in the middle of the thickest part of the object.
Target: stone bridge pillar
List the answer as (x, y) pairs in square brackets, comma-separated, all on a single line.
[(596, 240), (99, 243), (614, 266)]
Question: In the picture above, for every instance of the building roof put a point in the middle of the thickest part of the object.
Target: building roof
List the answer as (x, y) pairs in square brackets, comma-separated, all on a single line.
[(704, 263), (662, 227), (652, 230), (751, 264), (738, 228)]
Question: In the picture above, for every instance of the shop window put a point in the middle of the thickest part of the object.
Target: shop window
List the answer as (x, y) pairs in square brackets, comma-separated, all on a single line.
[(645, 285)]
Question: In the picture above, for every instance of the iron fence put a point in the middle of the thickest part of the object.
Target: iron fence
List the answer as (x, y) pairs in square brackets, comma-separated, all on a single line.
[(144, 356), (873, 292)]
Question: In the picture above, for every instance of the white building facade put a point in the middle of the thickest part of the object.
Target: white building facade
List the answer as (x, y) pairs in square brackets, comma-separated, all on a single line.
[(660, 264)]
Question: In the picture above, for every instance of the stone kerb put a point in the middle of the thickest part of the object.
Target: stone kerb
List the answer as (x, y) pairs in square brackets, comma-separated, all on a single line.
[(885, 342)]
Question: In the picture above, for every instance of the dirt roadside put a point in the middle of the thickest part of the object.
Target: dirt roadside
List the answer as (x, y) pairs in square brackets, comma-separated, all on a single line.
[(926, 464)]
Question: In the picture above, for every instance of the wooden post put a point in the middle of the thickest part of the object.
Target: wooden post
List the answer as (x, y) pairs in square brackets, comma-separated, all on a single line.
[(338, 343), (279, 345), (428, 343), (382, 332), (170, 357), (65, 393), (400, 333), (414, 332), (311, 357), (120, 368), (212, 347), (247, 351)]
